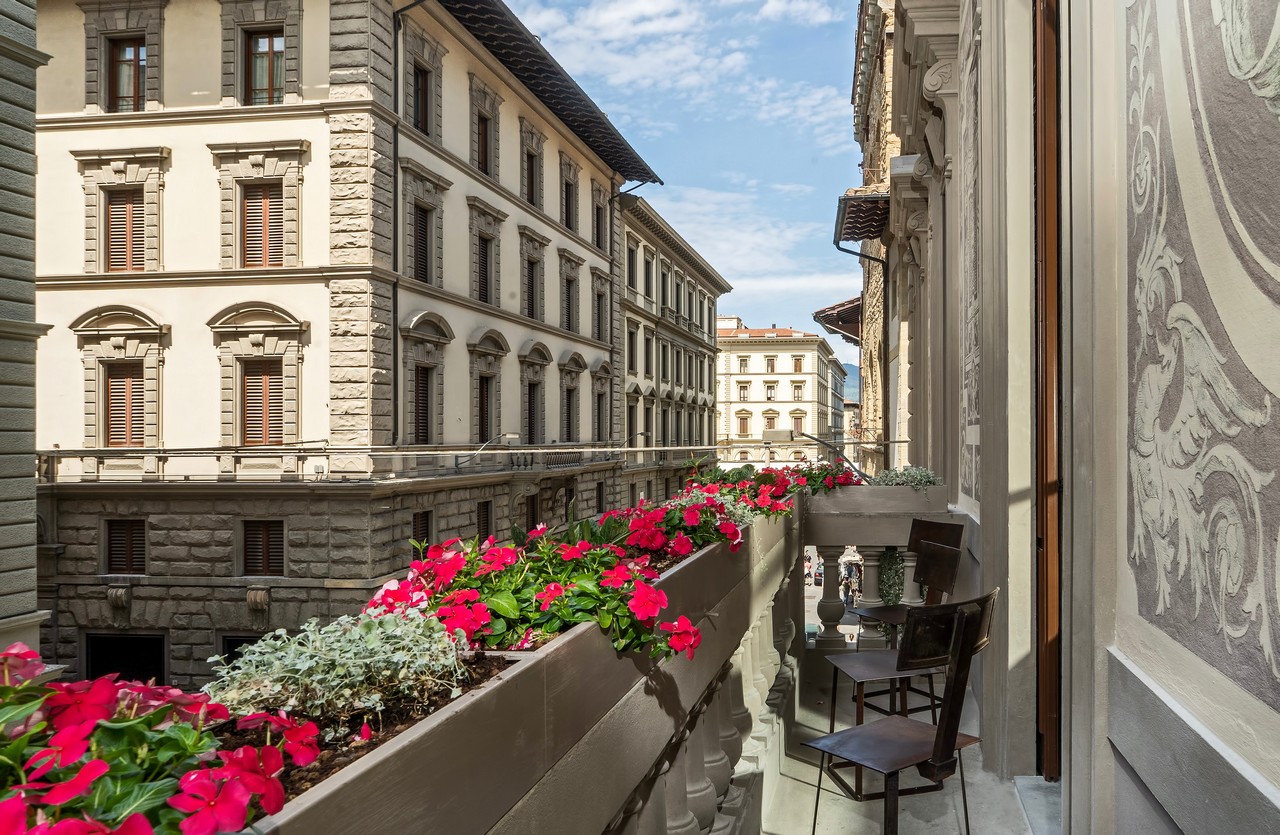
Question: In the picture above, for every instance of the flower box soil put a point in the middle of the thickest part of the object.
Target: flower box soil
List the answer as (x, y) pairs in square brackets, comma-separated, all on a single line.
[(396, 718)]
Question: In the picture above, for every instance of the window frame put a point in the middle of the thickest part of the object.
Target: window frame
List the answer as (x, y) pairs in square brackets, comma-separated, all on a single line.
[(275, 96), (135, 409), (139, 526), (242, 412), (271, 214), (138, 42)]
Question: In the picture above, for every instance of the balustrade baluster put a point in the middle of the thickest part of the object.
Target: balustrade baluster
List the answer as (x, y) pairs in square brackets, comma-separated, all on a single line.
[(701, 792), (680, 818), (831, 608)]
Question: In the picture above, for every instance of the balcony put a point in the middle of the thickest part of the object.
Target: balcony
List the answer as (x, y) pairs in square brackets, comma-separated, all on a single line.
[(682, 746)]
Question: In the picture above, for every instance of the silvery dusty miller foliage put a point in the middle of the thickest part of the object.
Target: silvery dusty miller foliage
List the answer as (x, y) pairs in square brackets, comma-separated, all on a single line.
[(349, 668), (915, 477)]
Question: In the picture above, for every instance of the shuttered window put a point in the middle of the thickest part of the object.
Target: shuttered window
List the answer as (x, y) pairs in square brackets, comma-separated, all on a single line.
[(262, 232), (531, 513), (125, 236), (422, 526), (422, 224), (126, 546), (422, 99), (601, 432), (598, 318), (600, 508), (532, 163), (569, 205), (484, 138), (484, 250), (262, 402), (742, 426), (569, 307), (570, 414), (484, 408), (264, 548), (124, 404), (533, 412), (599, 227), (423, 397), (531, 288), (484, 520)]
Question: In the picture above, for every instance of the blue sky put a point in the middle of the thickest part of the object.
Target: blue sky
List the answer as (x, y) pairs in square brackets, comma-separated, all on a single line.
[(742, 107)]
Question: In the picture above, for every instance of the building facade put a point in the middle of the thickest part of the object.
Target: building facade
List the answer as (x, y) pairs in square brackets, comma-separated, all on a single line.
[(19, 615), (1080, 245), (669, 352), (338, 278), (773, 379)]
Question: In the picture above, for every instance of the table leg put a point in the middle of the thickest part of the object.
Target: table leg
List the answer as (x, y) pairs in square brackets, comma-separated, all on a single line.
[(860, 691), (835, 677), (891, 803)]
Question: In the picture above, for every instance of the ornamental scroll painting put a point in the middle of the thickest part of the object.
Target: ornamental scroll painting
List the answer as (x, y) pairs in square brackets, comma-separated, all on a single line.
[(1203, 112)]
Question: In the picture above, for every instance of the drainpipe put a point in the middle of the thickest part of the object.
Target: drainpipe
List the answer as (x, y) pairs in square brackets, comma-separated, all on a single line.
[(884, 343), (396, 81)]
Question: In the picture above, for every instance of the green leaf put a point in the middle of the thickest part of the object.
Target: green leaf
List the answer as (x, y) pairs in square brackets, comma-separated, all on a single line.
[(553, 625), (605, 619), (11, 713), (504, 603), (586, 584), (498, 626)]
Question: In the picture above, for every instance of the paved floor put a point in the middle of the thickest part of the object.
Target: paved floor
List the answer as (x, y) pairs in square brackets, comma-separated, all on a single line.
[(994, 808)]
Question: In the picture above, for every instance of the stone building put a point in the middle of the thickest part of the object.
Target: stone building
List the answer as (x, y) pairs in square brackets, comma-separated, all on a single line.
[(773, 380), (323, 277), (19, 617), (669, 352), (1081, 257)]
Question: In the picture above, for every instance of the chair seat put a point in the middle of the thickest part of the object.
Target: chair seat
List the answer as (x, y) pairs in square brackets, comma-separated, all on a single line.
[(874, 665), (888, 745), (895, 615)]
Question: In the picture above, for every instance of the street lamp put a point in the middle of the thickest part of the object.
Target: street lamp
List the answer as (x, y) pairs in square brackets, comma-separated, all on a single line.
[(459, 460), (628, 441)]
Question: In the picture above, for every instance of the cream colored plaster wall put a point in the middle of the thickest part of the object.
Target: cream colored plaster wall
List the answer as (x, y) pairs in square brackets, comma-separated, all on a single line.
[(191, 57), (315, 50), (190, 199), (60, 83), (190, 380)]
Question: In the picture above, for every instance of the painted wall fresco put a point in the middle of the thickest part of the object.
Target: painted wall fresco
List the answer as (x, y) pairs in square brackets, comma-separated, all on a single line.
[(1204, 329), (970, 247)]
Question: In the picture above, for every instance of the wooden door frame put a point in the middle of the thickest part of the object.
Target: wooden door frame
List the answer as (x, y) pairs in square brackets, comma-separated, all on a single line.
[(1048, 402)]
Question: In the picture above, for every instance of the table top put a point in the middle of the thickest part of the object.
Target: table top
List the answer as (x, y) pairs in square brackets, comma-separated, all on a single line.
[(874, 665)]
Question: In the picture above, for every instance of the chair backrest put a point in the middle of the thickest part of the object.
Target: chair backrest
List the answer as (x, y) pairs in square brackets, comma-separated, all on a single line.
[(949, 634), (936, 569), (948, 534)]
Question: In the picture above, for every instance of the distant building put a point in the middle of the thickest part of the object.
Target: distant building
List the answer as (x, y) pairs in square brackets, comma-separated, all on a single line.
[(774, 378), (669, 352)]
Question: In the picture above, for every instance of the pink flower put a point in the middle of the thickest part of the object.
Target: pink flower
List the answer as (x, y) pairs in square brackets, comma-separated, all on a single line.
[(684, 637), (646, 602), (496, 559), (549, 595), (616, 577), (19, 663), (460, 611), (681, 545), (135, 824), (730, 530), (13, 815), (537, 532), (692, 517), (60, 793), (257, 770), (65, 747), (366, 733), (211, 808), (82, 701), (300, 743)]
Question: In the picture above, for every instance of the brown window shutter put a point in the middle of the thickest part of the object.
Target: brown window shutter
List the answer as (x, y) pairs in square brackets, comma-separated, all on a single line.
[(422, 411), (422, 526), (483, 245), (485, 385), (422, 244), (264, 548), (124, 406), (125, 236), (126, 546), (422, 99), (484, 520), (262, 415), (531, 412), (531, 289), (482, 142), (531, 178), (262, 235)]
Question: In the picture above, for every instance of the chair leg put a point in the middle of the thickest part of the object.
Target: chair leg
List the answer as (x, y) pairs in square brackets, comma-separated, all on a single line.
[(964, 794), (891, 803), (933, 701), (817, 797), (859, 697)]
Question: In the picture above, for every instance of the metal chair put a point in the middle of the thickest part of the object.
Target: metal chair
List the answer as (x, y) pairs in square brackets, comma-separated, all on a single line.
[(949, 635), (938, 578)]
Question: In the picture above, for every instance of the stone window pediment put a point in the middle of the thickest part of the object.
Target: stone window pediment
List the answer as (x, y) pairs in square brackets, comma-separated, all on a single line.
[(247, 162), (104, 170), (257, 318)]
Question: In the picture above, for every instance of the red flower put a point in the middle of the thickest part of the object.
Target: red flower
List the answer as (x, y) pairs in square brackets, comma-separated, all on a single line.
[(82, 701), (548, 595), (19, 663), (730, 530), (135, 824), (646, 602), (397, 596), (616, 577), (65, 747), (13, 815), (366, 733), (496, 559), (59, 793), (457, 614), (256, 769), (211, 808), (300, 743), (681, 545), (537, 532), (575, 552), (692, 517), (685, 637)]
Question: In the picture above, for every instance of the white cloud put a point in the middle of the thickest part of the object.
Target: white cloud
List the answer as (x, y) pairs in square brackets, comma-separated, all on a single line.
[(792, 189), (805, 12)]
